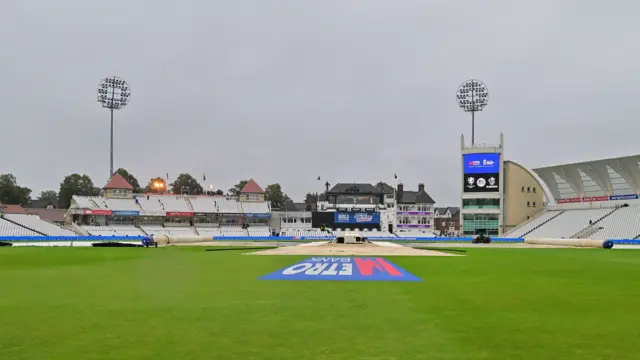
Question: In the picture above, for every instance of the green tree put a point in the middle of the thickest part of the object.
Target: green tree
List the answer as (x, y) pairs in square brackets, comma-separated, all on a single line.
[(75, 184), (311, 198), (11, 193), (235, 190), (156, 185), (130, 178), (48, 195), (186, 184), (274, 194)]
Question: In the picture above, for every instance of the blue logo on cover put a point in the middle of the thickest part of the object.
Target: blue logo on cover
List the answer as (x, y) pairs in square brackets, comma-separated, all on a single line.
[(343, 268), (485, 163)]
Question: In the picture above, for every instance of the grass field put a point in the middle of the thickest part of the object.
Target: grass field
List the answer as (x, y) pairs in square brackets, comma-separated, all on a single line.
[(186, 303)]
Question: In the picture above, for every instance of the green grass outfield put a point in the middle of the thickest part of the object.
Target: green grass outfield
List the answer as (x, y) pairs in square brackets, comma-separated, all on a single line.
[(186, 303)]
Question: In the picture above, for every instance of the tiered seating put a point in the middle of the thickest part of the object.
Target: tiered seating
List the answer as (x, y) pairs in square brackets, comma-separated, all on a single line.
[(227, 205), (300, 232), (169, 231), (114, 230), (568, 223), (259, 231), (177, 204), (255, 207), (85, 202), (99, 201), (8, 228), (122, 204), (415, 233), (233, 231), (34, 222), (624, 223), (152, 205), (213, 231), (180, 231), (203, 204), (526, 228)]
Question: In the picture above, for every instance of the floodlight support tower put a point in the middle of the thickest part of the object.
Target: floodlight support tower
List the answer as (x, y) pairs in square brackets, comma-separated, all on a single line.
[(113, 94), (472, 96)]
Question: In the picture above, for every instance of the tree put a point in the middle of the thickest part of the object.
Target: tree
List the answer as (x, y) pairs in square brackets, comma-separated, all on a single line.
[(156, 185), (311, 198), (130, 179), (75, 184), (11, 193), (235, 190), (48, 195), (186, 184), (274, 194), (384, 188)]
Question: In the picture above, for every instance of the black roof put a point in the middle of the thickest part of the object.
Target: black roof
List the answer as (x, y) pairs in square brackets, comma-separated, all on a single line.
[(416, 197), (453, 209), (295, 206), (354, 188)]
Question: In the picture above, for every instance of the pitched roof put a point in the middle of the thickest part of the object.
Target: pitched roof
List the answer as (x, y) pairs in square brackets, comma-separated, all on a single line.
[(415, 197), (56, 215), (12, 209), (118, 182), (345, 188), (252, 187)]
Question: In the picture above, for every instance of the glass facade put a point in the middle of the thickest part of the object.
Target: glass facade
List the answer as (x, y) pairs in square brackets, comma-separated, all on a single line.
[(481, 203), (487, 224)]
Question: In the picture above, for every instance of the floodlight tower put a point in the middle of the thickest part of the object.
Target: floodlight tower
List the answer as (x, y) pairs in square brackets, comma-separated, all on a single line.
[(472, 96), (113, 94)]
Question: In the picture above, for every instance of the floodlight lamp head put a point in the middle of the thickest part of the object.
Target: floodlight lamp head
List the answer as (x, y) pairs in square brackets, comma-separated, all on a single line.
[(113, 93), (472, 95)]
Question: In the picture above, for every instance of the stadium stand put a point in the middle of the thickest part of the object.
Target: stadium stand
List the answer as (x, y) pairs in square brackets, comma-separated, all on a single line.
[(203, 204), (9, 228), (624, 223), (568, 223), (34, 222), (226, 205)]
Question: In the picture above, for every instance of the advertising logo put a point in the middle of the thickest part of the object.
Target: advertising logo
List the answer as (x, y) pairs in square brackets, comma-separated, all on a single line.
[(125, 212), (344, 269), (483, 163), (481, 183), (97, 212), (623, 197), (363, 218), (356, 217)]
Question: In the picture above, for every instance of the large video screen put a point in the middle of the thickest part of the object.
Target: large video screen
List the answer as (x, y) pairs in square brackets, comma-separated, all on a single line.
[(482, 163), (356, 218), (481, 182)]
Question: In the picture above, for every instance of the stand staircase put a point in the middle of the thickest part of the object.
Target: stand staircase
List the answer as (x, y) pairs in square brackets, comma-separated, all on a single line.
[(592, 228), (543, 223)]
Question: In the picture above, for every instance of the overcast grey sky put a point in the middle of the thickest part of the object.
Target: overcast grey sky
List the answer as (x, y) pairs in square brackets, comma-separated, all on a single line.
[(285, 91)]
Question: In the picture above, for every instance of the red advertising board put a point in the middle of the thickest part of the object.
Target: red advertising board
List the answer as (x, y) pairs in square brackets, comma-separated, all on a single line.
[(97, 212), (179, 213), (584, 199), (595, 198)]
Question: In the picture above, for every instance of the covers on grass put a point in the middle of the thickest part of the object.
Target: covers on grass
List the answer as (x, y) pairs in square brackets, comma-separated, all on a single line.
[(114, 244), (4, 243)]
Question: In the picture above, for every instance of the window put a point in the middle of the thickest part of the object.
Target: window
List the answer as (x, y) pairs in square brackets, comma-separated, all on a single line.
[(528, 204), (523, 189), (534, 189), (528, 189), (481, 203), (534, 204)]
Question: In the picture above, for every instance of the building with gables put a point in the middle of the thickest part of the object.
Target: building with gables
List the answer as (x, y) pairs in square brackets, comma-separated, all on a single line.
[(251, 192), (118, 187)]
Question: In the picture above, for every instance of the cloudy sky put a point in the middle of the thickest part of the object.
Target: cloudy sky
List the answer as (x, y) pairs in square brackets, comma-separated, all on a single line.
[(288, 90)]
